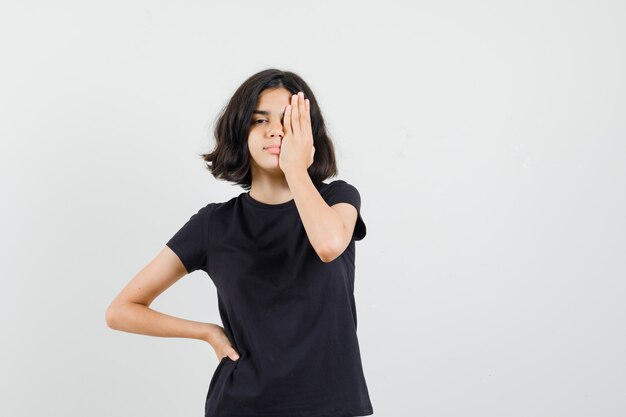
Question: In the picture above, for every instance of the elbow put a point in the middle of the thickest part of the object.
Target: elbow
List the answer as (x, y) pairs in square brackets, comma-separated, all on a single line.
[(325, 258), (110, 317), (329, 253)]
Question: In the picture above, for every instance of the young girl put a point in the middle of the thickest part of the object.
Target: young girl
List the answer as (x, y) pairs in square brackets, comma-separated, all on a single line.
[(281, 256)]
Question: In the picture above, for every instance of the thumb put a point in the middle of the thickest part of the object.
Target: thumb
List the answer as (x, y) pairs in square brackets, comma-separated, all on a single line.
[(233, 354)]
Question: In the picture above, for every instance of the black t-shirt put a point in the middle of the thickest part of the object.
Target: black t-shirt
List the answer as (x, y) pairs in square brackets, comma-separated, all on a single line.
[(291, 317)]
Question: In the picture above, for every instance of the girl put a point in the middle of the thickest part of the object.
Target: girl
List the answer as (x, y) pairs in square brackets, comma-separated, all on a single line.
[(281, 256)]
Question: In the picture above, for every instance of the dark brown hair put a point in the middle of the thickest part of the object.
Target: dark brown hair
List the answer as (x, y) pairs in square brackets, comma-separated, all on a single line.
[(230, 160)]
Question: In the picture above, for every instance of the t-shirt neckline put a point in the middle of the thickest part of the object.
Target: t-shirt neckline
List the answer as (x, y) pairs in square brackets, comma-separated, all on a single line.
[(247, 197)]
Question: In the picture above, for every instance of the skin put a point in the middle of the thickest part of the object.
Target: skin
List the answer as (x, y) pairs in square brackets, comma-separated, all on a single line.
[(269, 183), (276, 178)]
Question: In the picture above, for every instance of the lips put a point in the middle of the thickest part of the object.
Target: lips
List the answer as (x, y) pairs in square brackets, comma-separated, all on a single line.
[(273, 149)]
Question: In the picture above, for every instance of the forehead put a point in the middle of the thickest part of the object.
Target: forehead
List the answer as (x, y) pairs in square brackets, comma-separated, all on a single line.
[(273, 98)]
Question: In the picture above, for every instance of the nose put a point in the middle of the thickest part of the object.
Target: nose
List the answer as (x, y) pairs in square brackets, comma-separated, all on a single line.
[(276, 130)]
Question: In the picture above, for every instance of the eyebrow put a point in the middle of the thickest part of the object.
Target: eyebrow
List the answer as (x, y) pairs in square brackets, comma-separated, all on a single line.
[(264, 112)]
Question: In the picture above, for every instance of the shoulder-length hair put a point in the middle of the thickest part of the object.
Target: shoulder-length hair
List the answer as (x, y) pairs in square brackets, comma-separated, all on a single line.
[(230, 159)]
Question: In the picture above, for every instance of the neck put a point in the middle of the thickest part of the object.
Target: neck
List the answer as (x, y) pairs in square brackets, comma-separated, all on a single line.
[(270, 188)]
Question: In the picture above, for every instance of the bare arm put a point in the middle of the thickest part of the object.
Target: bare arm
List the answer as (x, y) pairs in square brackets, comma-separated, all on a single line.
[(329, 228), (130, 311)]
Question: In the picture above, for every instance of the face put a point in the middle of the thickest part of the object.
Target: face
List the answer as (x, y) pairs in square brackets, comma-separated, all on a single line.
[(266, 129)]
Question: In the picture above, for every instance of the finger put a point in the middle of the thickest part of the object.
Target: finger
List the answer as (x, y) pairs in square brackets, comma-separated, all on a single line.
[(287, 120), (301, 107), (307, 112), (295, 115), (233, 355)]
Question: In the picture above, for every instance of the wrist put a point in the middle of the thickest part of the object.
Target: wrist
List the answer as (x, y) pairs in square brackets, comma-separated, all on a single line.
[(297, 171)]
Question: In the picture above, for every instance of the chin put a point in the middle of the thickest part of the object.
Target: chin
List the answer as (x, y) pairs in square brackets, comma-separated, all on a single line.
[(269, 166), (272, 168)]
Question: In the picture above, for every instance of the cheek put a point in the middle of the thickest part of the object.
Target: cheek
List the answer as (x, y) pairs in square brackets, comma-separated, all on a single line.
[(255, 144)]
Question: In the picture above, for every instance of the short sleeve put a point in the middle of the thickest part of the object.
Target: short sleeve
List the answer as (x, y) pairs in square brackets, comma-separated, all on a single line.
[(340, 191), (189, 243)]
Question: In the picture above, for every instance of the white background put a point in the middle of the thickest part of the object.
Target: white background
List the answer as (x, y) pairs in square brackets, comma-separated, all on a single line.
[(487, 140)]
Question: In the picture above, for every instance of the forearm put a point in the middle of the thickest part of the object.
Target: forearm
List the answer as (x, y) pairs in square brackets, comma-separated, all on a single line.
[(322, 224), (140, 319)]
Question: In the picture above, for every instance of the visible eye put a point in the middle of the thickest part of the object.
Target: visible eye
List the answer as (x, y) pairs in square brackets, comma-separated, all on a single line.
[(259, 120)]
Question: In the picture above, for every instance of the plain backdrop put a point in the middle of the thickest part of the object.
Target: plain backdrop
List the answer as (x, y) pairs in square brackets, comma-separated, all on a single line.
[(487, 140)]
